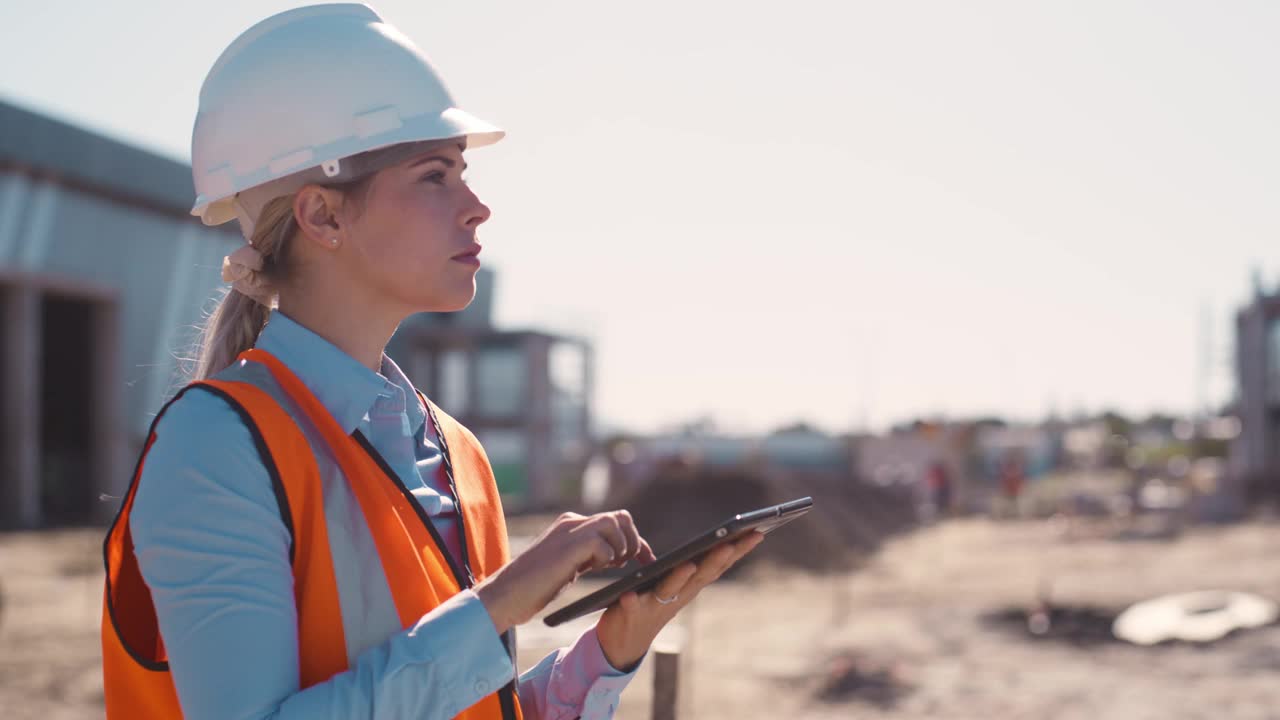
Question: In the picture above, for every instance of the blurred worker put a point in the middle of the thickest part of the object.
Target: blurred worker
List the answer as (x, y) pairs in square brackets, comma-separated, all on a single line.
[(1012, 480), (939, 484)]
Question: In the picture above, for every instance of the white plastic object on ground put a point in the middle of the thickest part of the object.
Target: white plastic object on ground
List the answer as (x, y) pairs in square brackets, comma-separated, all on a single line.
[(1198, 617)]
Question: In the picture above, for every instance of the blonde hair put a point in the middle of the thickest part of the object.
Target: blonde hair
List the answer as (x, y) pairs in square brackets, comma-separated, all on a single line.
[(234, 325)]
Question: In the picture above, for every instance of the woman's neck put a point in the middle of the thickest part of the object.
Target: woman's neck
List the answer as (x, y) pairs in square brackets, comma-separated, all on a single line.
[(352, 324)]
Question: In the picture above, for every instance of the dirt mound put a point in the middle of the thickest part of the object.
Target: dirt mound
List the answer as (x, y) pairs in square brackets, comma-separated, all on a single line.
[(848, 522), (849, 676)]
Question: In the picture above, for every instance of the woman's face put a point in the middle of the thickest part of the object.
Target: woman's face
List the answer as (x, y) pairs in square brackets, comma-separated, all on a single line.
[(414, 236)]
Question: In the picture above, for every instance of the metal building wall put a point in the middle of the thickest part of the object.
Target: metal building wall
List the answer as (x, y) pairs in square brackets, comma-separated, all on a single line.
[(165, 271), (84, 216)]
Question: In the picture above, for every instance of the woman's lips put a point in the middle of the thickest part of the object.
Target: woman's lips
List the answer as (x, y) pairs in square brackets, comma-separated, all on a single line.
[(470, 257)]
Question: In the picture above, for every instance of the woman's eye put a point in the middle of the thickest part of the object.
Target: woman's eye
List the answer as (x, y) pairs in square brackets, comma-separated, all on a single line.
[(436, 177)]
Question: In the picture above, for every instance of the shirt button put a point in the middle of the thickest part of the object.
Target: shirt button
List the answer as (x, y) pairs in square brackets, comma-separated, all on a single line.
[(482, 687)]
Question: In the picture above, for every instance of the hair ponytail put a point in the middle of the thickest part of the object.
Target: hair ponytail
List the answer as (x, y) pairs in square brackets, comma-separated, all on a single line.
[(232, 328), (234, 325)]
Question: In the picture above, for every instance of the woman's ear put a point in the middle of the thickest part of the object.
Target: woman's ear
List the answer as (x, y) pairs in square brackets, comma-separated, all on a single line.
[(318, 211)]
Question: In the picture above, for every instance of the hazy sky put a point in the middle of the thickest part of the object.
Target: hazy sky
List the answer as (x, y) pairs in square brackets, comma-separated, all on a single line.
[(845, 212)]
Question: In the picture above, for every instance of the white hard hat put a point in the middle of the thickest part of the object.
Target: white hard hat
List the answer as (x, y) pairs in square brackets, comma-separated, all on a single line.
[(301, 91)]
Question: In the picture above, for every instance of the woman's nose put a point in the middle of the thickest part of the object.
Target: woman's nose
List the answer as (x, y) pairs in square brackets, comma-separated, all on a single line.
[(477, 213)]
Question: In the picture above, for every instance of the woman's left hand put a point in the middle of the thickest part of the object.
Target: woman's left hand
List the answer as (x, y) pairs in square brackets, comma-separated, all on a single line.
[(629, 626)]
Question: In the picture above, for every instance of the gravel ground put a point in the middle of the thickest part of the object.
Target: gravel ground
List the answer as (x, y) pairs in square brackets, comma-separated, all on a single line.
[(908, 636)]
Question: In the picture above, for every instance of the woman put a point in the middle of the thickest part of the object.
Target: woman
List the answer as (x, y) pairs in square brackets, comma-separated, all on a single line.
[(306, 535)]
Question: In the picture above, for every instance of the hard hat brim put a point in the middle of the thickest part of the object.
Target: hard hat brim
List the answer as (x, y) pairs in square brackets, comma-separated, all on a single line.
[(452, 123)]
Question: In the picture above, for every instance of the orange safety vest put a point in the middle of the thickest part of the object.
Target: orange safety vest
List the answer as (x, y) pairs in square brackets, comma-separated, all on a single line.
[(419, 571)]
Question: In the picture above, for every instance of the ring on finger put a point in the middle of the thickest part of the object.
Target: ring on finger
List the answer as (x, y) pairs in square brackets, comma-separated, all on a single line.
[(665, 601)]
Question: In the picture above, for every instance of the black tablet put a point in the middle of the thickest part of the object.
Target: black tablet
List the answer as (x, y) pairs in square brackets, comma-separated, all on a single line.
[(764, 520)]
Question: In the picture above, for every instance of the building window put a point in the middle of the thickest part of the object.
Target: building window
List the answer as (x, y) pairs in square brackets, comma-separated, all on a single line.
[(453, 391), (1272, 354), (508, 452), (568, 370), (500, 382)]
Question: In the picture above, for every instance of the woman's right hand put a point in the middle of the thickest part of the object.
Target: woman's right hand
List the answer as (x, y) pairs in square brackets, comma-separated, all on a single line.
[(573, 545)]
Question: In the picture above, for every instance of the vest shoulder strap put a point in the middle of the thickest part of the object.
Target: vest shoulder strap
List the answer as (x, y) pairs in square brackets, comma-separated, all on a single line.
[(290, 458)]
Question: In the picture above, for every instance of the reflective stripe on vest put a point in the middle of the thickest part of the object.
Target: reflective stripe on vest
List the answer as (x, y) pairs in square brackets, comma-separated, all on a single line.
[(309, 459)]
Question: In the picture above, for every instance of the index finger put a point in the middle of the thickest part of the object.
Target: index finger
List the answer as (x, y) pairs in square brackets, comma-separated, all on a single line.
[(629, 534), (646, 554)]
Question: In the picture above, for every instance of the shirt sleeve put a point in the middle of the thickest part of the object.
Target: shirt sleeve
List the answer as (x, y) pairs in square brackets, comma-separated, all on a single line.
[(214, 552), (575, 681)]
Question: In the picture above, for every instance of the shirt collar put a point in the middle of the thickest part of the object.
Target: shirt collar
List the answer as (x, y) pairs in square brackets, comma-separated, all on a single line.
[(413, 404), (347, 389)]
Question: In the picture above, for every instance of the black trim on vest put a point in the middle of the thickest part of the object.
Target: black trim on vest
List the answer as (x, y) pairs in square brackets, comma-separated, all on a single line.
[(260, 442), (508, 694), (459, 574), (447, 459), (463, 574), (276, 484)]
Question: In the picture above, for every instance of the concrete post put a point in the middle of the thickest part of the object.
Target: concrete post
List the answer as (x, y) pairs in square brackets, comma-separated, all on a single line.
[(109, 428), (666, 676), (20, 339)]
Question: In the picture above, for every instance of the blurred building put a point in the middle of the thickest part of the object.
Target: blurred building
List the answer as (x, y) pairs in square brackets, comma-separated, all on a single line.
[(803, 447), (1038, 449), (906, 458), (1084, 445), (1255, 453), (526, 395), (635, 461), (104, 280), (102, 269)]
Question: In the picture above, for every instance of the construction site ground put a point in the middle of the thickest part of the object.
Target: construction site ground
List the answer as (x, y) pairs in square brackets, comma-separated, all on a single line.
[(928, 627)]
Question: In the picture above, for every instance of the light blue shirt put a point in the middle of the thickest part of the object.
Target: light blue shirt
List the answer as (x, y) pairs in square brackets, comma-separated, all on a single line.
[(213, 550)]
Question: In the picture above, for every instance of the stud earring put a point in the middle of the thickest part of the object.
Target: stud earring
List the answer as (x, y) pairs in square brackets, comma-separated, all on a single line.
[(333, 241)]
